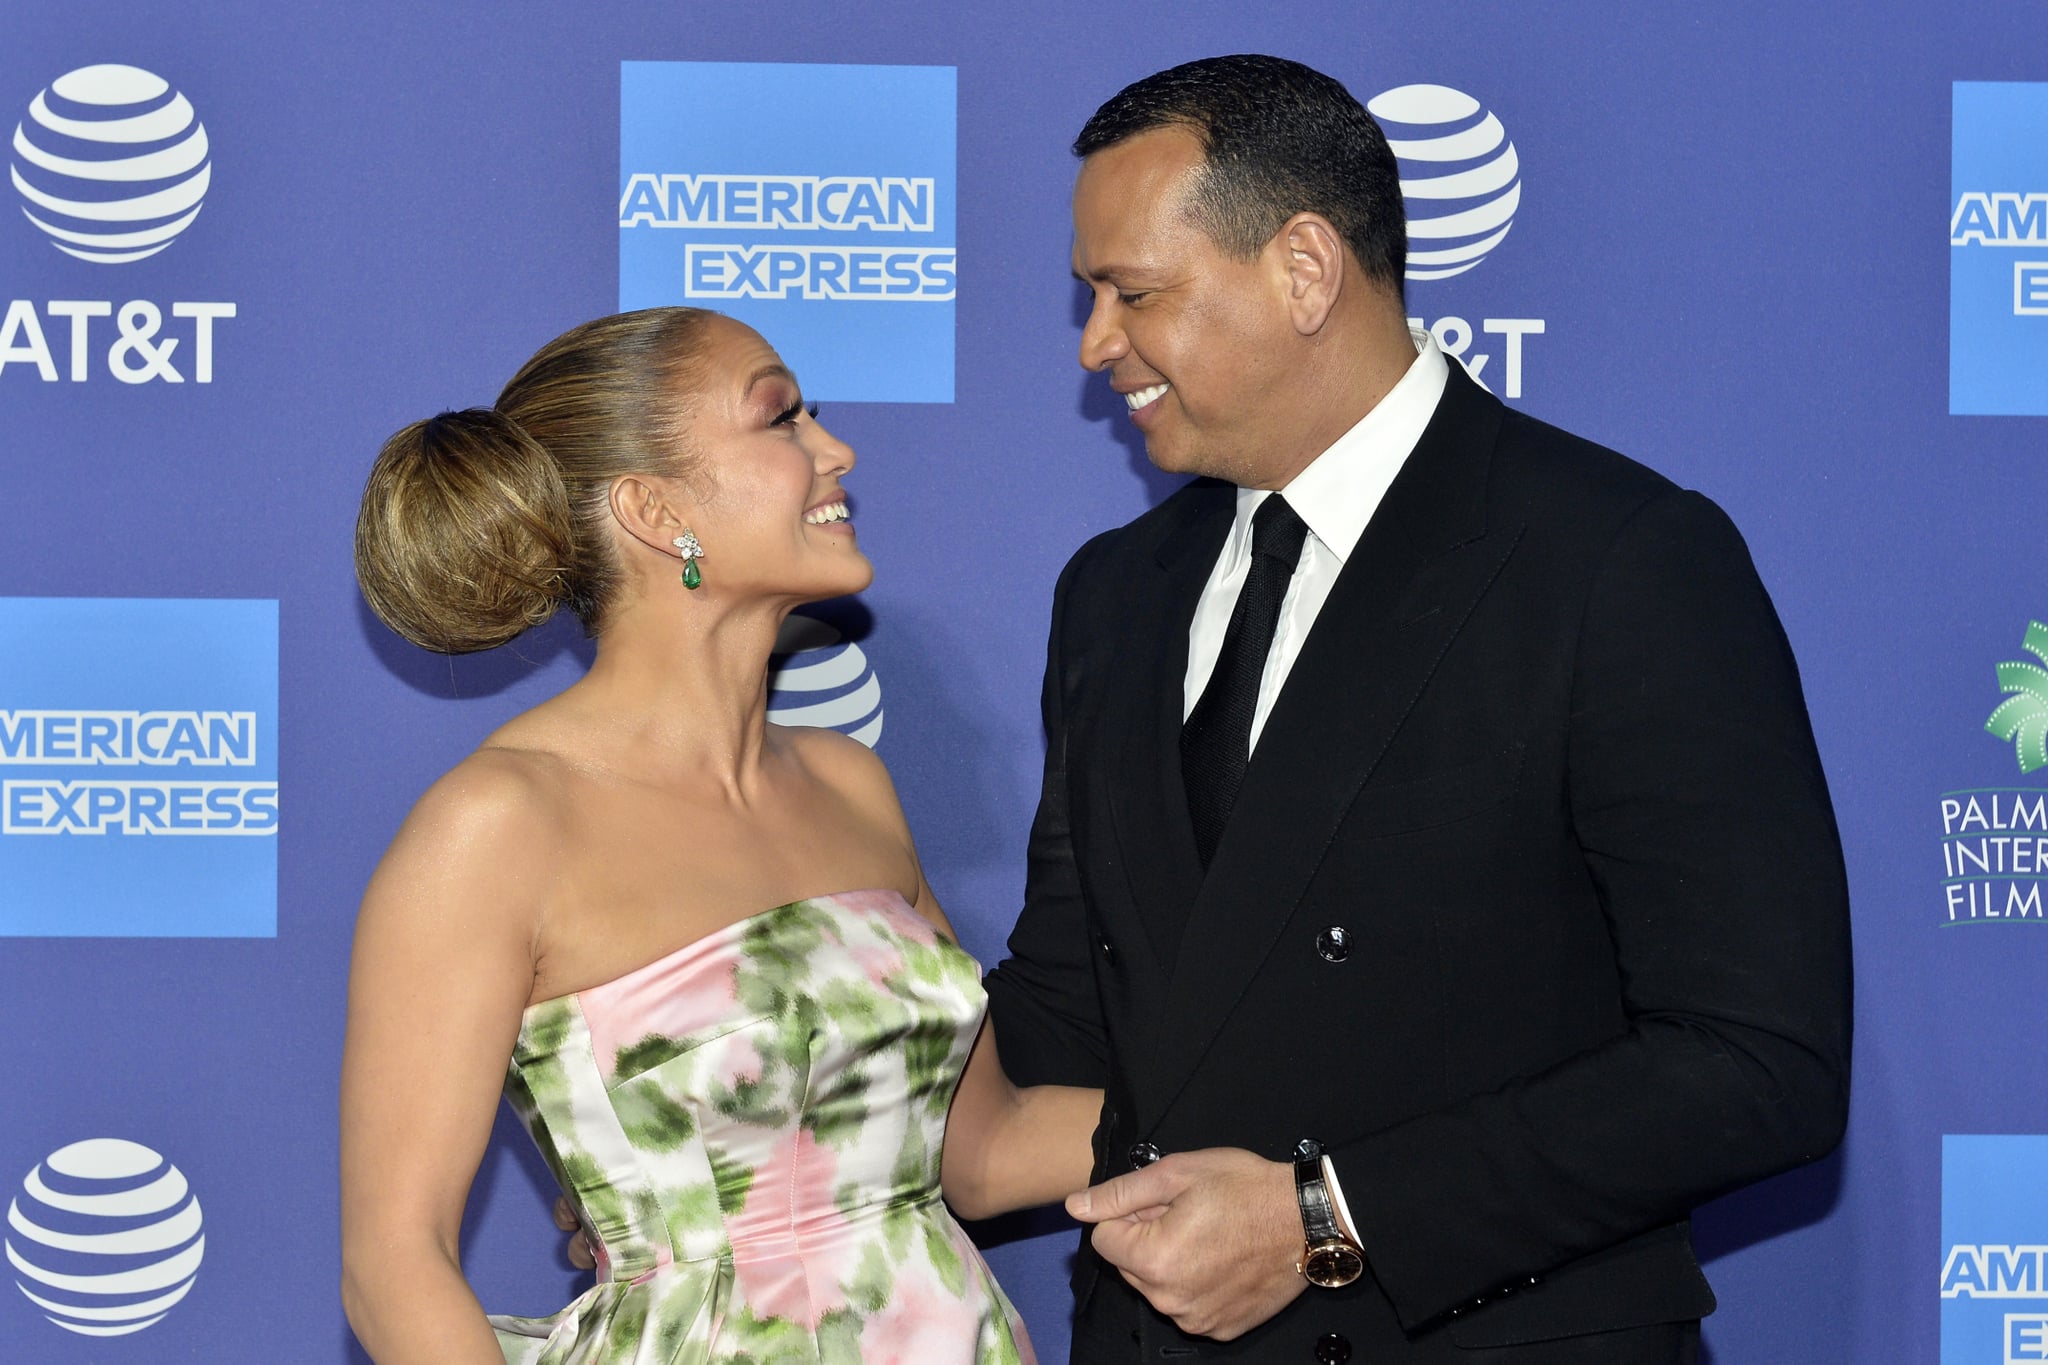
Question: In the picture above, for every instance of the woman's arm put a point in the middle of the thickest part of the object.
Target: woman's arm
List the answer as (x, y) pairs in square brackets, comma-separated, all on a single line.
[(443, 963), (1008, 1148)]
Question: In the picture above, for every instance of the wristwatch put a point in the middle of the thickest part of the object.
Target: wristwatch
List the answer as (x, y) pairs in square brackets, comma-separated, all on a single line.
[(1329, 1259)]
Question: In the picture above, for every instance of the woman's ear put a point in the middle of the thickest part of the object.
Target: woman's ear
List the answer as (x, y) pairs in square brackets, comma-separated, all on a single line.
[(646, 509)]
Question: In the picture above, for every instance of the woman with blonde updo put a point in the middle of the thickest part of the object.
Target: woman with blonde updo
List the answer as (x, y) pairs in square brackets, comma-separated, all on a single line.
[(694, 949)]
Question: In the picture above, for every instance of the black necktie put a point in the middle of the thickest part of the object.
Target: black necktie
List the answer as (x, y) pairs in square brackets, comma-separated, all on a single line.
[(1216, 741)]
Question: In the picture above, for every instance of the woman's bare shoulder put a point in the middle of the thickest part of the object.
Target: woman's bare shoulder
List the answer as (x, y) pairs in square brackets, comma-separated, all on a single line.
[(501, 811), (841, 762)]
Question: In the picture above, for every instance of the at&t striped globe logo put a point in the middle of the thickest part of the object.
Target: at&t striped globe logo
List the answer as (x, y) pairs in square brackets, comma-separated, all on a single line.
[(1459, 175), (104, 1237), (823, 679), (111, 163)]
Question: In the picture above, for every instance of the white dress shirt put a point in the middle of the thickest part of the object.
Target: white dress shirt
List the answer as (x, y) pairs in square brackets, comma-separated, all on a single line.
[(1336, 496)]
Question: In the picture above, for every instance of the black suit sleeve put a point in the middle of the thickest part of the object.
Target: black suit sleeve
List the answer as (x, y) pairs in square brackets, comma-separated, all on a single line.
[(1043, 1002), (1698, 803)]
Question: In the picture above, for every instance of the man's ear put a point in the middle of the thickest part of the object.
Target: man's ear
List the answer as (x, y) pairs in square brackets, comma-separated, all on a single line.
[(1314, 263), (646, 509)]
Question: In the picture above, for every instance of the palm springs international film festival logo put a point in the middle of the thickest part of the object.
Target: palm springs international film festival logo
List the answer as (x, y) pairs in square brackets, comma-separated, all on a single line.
[(1994, 1249), (138, 768), (1994, 840), (105, 1237), (1998, 249), (111, 165), (814, 203), (823, 679), (1462, 182)]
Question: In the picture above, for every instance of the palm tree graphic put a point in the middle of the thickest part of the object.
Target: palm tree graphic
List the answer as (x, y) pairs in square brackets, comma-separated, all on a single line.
[(2023, 716)]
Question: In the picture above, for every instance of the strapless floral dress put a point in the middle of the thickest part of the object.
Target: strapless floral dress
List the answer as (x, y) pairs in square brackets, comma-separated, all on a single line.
[(750, 1129)]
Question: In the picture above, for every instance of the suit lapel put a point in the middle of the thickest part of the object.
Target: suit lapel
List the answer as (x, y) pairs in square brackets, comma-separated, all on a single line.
[(1148, 798), (1425, 559)]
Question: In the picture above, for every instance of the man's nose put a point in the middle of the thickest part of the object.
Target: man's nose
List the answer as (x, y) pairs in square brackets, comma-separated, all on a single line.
[(1102, 338)]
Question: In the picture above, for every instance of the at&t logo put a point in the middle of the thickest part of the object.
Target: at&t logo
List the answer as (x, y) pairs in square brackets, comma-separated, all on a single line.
[(105, 1237), (112, 164), (1459, 174), (825, 680), (1462, 183), (122, 171)]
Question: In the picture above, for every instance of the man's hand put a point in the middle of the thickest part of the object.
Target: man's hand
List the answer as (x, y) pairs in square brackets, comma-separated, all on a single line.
[(578, 1250), (1210, 1238)]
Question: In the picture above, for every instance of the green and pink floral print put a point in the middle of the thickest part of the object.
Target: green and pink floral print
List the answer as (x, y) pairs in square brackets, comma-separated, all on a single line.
[(750, 1130)]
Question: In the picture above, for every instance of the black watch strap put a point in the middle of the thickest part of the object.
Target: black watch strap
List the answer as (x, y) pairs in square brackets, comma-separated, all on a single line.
[(1318, 1215)]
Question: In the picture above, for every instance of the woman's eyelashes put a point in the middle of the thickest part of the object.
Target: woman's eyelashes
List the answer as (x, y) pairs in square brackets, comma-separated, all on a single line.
[(788, 415)]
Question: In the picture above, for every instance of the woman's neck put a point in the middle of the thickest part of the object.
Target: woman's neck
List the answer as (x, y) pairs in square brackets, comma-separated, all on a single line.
[(685, 693)]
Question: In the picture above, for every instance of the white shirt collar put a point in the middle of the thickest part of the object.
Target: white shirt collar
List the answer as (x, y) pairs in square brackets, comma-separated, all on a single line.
[(1341, 488)]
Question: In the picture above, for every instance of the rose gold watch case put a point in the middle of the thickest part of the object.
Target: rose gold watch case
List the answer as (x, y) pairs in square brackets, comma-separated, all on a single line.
[(1332, 1265)]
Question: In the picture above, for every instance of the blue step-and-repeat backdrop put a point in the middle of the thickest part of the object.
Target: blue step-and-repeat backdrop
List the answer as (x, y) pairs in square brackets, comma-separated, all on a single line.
[(242, 242)]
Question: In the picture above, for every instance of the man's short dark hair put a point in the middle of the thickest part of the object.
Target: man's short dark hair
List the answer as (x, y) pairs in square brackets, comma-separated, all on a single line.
[(1281, 139)]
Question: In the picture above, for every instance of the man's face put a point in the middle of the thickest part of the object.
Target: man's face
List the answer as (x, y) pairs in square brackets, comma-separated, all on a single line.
[(1196, 340)]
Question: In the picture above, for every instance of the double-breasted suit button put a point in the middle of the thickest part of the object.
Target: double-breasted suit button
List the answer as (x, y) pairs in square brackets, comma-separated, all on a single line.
[(1333, 1349), (1333, 944), (1143, 1154), (1108, 949)]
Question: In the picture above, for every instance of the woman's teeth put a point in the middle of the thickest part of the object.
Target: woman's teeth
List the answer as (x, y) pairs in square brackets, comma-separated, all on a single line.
[(826, 515), (1143, 396)]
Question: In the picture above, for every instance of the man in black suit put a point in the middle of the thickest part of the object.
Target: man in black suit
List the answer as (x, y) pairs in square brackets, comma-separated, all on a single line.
[(1421, 781)]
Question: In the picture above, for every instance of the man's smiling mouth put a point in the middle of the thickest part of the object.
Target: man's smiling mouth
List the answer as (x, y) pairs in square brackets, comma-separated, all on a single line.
[(1145, 397)]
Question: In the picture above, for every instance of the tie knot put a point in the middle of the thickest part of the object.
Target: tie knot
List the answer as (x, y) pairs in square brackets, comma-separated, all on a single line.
[(1278, 532)]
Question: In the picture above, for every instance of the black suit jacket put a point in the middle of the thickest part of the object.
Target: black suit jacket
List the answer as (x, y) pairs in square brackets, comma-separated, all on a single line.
[(1545, 760)]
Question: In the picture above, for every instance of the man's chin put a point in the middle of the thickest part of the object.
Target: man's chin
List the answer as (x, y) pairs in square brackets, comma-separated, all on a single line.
[(1168, 458)]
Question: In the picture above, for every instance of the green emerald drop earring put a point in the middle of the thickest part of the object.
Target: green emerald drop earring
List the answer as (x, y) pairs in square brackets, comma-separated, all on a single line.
[(693, 578)]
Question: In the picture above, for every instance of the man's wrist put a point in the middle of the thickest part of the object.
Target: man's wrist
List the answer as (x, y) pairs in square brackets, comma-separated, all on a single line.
[(1331, 1257)]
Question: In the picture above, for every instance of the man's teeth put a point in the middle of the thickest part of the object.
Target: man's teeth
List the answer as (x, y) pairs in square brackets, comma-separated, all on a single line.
[(826, 515), (1143, 396)]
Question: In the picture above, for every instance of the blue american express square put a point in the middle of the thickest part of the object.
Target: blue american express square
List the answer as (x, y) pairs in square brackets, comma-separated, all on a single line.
[(138, 768), (814, 203), (1998, 249), (1994, 1249)]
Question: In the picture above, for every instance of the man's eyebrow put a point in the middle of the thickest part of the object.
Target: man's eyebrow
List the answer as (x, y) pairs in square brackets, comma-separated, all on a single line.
[(767, 372), (1108, 272)]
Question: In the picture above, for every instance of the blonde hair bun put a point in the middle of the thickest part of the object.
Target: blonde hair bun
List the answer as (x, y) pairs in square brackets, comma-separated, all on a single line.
[(464, 539), (477, 524)]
